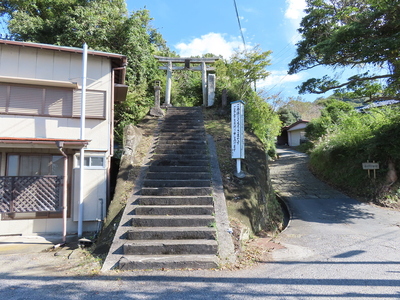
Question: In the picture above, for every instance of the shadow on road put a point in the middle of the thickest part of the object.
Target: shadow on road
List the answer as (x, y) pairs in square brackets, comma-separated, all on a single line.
[(124, 286)]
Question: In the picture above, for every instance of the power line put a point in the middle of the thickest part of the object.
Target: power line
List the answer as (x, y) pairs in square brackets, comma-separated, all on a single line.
[(240, 25)]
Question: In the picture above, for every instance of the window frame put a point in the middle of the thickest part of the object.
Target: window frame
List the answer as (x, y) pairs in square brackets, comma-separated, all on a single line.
[(89, 157), (47, 104)]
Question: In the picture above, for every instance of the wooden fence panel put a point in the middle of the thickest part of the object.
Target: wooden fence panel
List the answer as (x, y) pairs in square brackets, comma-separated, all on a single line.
[(30, 193)]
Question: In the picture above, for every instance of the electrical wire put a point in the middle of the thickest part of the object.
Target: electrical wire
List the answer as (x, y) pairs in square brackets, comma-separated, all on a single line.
[(240, 25)]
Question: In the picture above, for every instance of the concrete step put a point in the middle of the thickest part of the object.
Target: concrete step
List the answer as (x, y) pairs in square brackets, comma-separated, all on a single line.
[(178, 169), (181, 140), (177, 191), (180, 135), (183, 120), (181, 125), (176, 183), (173, 210), (179, 119), (193, 147), (171, 233), (178, 175), (144, 262), (175, 200), (192, 116), (182, 131), (179, 156), (177, 163), (171, 150), (184, 115), (159, 247), (173, 221)]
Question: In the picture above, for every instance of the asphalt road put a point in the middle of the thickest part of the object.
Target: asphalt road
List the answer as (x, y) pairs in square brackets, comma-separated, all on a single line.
[(335, 248)]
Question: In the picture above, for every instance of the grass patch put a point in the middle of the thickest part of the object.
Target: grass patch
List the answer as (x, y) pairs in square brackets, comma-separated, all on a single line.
[(251, 200)]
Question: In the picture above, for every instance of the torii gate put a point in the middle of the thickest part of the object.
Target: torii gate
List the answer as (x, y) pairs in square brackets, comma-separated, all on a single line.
[(210, 83)]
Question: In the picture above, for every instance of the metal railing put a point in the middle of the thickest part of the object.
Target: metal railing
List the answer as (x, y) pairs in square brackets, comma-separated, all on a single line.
[(30, 193)]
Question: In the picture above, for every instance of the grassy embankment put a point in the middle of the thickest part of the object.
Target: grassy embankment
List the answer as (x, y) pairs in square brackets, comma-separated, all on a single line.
[(375, 137)]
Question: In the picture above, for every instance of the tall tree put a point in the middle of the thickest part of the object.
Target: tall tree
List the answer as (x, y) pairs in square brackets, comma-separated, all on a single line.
[(237, 75), (245, 68), (105, 25), (351, 33), (288, 116), (307, 110)]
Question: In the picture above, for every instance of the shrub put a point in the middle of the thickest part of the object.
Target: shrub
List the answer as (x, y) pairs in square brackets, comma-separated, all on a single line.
[(374, 136)]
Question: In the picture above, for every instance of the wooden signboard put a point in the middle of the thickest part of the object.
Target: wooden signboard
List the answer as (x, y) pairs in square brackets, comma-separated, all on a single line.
[(370, 166)]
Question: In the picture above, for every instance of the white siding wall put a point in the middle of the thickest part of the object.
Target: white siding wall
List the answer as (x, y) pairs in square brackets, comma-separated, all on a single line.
[(42, 226), (68, 128), (55, 65), (95, 189), (43, 64)]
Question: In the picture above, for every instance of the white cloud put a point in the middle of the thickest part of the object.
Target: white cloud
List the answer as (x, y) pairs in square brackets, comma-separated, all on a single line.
[(294, 13), (278, 78), (295, 10), (214, 43)]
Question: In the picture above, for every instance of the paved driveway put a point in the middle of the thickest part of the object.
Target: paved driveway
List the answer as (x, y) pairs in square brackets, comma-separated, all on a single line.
[(336, 248), (351, 249)]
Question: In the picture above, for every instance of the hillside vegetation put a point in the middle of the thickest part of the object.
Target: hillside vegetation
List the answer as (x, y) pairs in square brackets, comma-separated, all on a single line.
[(250, 200), (343, 139)]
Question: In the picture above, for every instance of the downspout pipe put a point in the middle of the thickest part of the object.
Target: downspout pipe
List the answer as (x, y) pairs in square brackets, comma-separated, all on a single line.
[(60, 146), (82, 137)]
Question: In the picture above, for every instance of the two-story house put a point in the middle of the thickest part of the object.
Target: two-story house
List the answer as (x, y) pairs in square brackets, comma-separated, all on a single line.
[(40, 140)]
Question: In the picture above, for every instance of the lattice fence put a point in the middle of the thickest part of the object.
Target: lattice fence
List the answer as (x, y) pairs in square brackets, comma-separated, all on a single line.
[(30, 193)]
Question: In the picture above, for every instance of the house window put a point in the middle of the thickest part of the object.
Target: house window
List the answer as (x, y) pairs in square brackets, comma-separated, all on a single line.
[(95, 104), (32, 187), (35, 165), (50, 101), (91, 162)]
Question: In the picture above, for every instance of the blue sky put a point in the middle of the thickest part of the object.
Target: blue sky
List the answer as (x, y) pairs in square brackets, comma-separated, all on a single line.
[(196, 27), (210, 26)]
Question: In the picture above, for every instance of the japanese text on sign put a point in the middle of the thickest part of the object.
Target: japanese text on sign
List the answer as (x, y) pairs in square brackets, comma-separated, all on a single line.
[(237, 126)]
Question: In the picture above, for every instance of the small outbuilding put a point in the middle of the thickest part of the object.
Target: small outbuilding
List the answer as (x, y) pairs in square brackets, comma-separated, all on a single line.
[(294, 134)]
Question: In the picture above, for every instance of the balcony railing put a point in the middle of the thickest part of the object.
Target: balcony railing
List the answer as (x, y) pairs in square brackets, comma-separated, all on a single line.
[(30, 193)]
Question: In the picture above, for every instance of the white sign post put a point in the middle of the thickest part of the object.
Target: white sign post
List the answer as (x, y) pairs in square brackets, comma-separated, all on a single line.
[(237, 135)]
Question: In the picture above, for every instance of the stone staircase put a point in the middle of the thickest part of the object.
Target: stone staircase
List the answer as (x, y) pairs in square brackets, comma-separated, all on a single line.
[(171, 222)]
